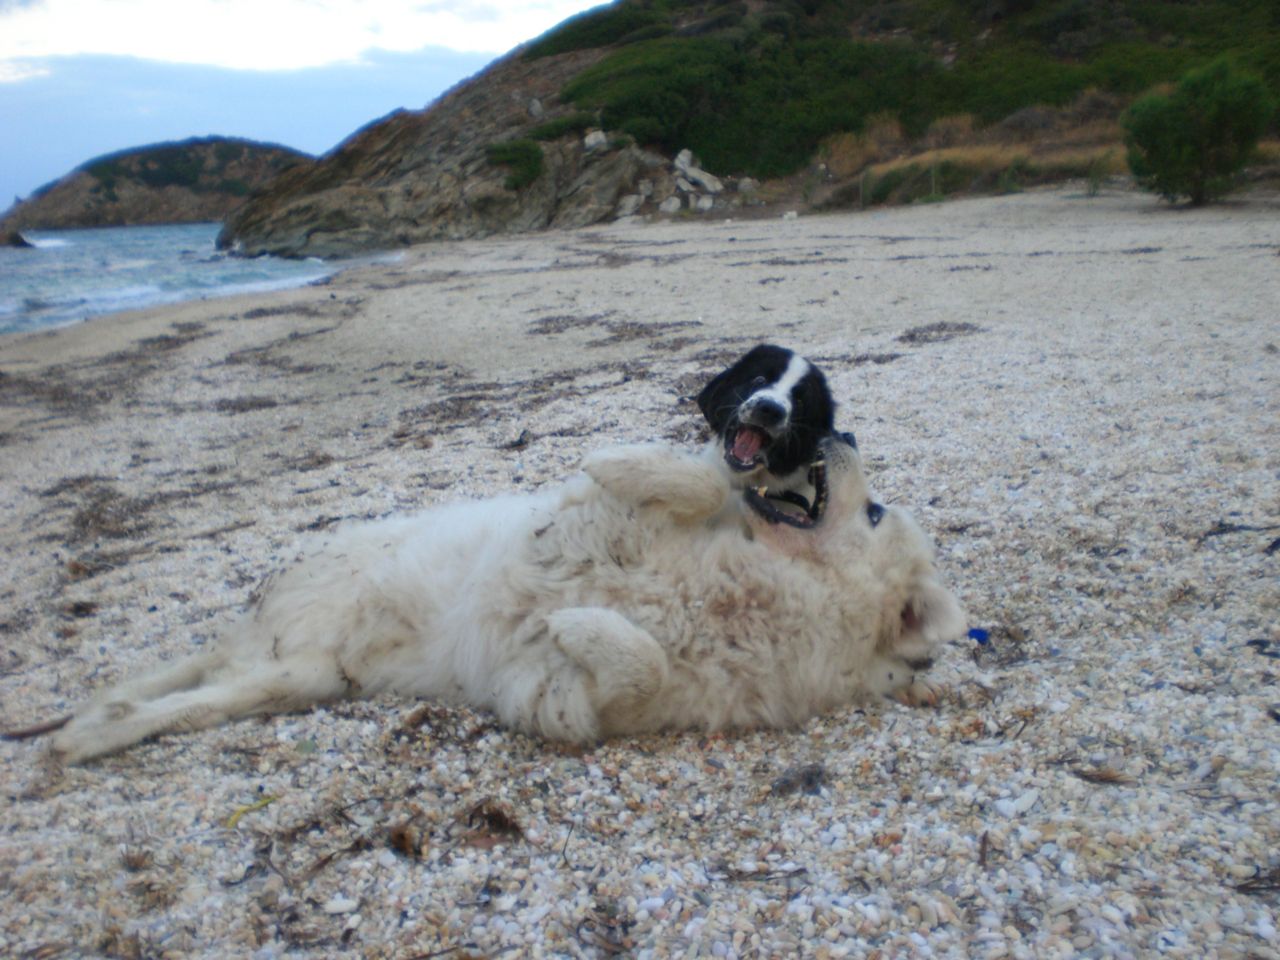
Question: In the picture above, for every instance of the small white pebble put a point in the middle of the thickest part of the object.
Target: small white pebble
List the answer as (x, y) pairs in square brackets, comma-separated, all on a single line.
[(340, 904)]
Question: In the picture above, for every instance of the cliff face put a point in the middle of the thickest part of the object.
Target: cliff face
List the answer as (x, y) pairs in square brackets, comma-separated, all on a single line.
[(428, 175), (189, 182)]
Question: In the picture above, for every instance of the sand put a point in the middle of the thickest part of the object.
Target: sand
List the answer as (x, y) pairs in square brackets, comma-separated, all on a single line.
[(1076, 396)]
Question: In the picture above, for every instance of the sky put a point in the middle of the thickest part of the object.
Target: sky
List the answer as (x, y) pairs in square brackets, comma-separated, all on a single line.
[(80, 78)]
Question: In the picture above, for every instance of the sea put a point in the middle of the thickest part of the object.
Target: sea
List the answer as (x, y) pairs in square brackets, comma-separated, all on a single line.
[(69, 276)]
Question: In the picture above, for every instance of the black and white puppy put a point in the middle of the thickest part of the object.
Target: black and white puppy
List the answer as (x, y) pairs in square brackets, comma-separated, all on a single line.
[(770, 410)]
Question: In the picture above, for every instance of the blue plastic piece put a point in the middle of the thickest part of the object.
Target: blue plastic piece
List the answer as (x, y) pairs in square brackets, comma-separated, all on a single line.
[(977, 633)]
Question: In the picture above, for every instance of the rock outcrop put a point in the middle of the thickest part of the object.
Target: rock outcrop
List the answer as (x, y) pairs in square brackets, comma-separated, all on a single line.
[(418, 176), (189, 182)]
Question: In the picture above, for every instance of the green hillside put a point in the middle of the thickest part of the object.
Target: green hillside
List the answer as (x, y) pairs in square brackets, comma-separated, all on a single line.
[(755, 87), (201, 164), (190, 181)]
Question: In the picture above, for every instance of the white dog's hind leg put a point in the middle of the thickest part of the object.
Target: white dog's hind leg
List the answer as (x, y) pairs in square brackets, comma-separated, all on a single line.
[(626, 665), (688, 486), (183, 675), (117, 720)]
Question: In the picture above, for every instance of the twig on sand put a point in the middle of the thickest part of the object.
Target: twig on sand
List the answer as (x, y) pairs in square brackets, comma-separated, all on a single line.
[(1222, 528)]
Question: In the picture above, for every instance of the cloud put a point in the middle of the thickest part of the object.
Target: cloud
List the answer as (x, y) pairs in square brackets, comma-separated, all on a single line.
[(79, 78), (269, 34), (83, 107), (15, 71), (463, 9)]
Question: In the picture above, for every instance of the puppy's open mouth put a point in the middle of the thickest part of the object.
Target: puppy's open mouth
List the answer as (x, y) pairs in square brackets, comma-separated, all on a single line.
[(744, 447), (789, 507)]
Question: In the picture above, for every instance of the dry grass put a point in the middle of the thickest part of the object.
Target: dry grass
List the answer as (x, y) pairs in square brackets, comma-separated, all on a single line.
[(1091, 133), (975, 168), (994, 159), (950, 132), (1109, 159), (1268, 152), (980, 157), (846, 154), (956, 155)]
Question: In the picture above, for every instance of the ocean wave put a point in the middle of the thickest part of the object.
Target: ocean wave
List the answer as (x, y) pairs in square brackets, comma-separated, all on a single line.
[(266, 286), (92, 301), (105, 270)]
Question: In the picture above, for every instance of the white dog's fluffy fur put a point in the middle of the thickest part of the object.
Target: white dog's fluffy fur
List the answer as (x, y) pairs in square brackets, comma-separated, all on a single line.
[(643, 594)]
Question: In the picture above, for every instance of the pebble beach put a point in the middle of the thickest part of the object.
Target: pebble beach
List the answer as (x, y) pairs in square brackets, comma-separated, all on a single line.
[(1078, 397)]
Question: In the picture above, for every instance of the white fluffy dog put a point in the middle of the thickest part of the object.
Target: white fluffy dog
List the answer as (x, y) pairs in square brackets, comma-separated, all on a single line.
[(645, 594)]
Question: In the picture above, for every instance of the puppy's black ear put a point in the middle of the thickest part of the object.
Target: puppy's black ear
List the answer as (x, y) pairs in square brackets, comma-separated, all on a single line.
[(812, 399), (716, 401)]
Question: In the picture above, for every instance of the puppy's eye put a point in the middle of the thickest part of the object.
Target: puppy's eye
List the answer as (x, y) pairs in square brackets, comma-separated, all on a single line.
[(874, 513), (759, 382)]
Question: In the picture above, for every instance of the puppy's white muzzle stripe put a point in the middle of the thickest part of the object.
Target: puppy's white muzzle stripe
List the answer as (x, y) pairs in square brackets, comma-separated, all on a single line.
[(780, 392)]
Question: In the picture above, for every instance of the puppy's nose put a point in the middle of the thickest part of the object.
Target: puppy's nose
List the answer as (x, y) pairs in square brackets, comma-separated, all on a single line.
[(763, 412)]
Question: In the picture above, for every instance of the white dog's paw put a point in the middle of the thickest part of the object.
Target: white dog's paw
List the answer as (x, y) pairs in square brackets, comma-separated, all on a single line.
[(99, 729), (902, 679), (919, 693), (626, 664), (602, 670), (75, 743), (687, 487)]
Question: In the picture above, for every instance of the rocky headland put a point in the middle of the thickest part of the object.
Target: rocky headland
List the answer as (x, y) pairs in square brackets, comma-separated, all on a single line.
[(192, 181)]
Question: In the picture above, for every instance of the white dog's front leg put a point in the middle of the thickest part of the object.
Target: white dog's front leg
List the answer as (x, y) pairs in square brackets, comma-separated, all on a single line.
[(902, 680), (688, 486)]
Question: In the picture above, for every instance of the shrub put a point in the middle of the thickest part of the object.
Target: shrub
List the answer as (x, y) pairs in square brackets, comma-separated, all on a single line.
[(595, 28), (999, 81), (106, 171), (522, 157), (228, 153), (756, 110), (170, 166), (1193, 141), (234, 186), (561, 126)]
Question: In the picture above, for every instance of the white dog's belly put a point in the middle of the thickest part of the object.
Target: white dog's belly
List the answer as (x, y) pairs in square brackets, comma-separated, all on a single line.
[(739, 643)]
